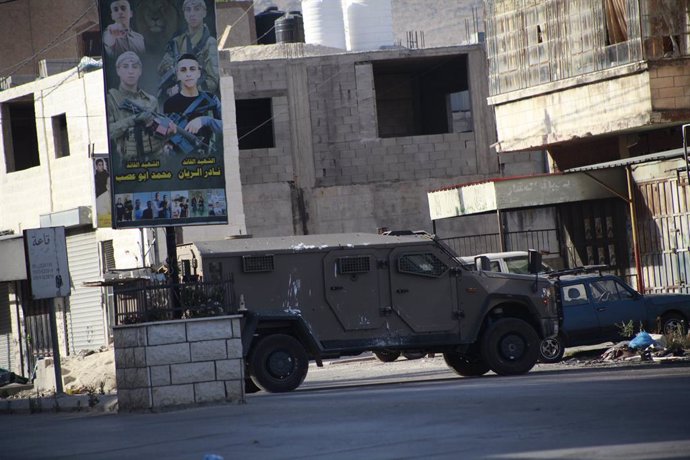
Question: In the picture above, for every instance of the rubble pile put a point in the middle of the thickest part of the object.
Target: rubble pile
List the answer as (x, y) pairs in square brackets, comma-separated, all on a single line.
[(643, 347), (87, 372)]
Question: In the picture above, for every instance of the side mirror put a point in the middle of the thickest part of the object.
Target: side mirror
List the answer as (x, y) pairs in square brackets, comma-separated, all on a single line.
[(534, 261), (482, 263)]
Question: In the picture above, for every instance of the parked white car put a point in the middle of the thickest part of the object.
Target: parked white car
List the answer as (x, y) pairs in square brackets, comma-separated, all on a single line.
[(504, 262)]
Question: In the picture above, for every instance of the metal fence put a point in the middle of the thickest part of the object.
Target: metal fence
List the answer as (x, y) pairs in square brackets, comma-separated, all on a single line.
[(146, 301), (541, 240)]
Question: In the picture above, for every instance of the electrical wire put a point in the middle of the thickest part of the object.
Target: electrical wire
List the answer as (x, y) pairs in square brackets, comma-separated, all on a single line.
[(11, 69)]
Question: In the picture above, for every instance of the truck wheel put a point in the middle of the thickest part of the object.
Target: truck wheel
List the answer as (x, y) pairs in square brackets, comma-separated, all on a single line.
[(470, 365), (387, 356), (278, 363), (551, 350), (673, 323), (510, 346)]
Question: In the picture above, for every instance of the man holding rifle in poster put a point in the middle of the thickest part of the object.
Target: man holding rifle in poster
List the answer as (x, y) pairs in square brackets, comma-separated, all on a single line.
[(137, 130), (196, 40), (195, 112), (131, 131)]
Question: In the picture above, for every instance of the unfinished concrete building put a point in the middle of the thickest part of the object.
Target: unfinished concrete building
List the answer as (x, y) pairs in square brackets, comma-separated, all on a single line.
[(352, 141)]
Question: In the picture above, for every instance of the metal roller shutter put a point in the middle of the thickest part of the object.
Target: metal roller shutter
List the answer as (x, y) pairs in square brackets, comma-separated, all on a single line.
[(7, 346), (85, 323)]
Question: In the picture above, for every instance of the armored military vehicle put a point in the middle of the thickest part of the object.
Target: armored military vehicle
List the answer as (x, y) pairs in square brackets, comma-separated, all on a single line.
[(323, 296)]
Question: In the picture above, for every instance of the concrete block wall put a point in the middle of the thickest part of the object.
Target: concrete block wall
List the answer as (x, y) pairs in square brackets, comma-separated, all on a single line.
[(670, 84), (178, 363)]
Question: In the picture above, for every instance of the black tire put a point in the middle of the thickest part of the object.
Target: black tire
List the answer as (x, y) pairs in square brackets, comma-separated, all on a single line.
[(387, 356), (278, 363), (469, 365), (670, 322), (413, 354), (510, 346), (551, 350)]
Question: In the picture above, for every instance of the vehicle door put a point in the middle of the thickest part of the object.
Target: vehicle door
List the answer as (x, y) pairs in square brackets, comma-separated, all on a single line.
[(580, 321), (615, 303), (352, 289), (423, 289)]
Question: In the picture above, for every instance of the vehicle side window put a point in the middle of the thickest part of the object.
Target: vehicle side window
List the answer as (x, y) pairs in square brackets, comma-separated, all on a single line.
[(605, 291), (495, 266), (574, 294), (421, 264)]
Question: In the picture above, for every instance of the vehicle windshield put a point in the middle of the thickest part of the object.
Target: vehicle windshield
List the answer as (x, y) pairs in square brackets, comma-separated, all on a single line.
[(520, 265)]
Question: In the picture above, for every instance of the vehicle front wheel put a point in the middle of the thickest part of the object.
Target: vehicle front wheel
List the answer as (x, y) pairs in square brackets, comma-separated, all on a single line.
[(674, 323), (551, 350), (510, 346), (278, 363), (387, 356), (467, 365)]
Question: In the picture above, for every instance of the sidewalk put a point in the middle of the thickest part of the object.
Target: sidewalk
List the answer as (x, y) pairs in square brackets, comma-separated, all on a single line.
[(60, 403)]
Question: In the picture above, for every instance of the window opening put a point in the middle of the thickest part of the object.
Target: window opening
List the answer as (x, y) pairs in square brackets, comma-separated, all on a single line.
[(416, 96), (60, 136), (256, 264), (254, 123), (350, 265), (421, 264), (19, 132)]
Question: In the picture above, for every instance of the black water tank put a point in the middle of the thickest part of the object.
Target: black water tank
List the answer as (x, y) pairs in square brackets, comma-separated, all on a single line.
[(265, 21), (290, 28)]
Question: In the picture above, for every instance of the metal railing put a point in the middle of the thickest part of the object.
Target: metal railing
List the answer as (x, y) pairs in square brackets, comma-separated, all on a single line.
[(541, 240), (148, 301)]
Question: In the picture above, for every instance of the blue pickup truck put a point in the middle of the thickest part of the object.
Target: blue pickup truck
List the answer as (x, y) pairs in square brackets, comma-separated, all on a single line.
[(594, 306)]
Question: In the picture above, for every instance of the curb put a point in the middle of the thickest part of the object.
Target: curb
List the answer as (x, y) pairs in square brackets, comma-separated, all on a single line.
[(60, 404)]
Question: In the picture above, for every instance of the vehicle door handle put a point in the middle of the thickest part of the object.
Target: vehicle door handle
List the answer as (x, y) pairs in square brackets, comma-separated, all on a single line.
[(402, 291), (601, 308), (336, 288)]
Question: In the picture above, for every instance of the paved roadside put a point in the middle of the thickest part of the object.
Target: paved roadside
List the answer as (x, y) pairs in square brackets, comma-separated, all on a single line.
[(364, 369)]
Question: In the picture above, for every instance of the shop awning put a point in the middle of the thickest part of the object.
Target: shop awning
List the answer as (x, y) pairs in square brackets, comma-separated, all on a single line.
[(592, 182)]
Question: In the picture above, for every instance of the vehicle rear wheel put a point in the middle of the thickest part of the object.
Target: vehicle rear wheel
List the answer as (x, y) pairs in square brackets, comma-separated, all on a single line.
[(387, 356), (467, 365), (551, 350), (278, 363), (510, 346), (413, 354), (672, 323)]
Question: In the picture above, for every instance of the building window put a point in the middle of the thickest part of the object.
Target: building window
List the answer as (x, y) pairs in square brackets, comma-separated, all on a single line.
[(60, 136), (413, 96), (19, 134), (91, 44), (254, 123), (108, 255)]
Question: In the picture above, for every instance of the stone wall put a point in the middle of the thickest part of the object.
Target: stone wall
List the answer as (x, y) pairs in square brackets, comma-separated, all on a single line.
[(178, 363)]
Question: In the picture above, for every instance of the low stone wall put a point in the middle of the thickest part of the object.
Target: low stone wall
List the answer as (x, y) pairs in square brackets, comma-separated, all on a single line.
[(178, 363)]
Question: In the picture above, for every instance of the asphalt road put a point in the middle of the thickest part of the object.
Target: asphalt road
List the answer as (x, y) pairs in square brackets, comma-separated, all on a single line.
[(632, 412)]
